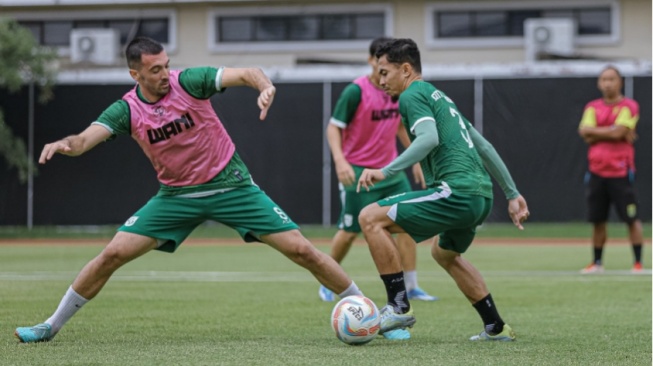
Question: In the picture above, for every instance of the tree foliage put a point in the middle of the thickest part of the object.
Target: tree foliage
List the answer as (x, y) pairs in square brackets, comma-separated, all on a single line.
[(22, 61)]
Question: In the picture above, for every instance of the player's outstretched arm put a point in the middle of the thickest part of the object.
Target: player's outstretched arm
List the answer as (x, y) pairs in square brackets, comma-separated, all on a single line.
[(517, 207), (493, 164), (254, 78), (418, 174), (75, 145)]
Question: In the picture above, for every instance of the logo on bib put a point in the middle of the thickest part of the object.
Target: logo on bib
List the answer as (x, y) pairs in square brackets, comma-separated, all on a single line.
[(631, 210), (170, 129), (159, 111), (131, 221), (348, 219)]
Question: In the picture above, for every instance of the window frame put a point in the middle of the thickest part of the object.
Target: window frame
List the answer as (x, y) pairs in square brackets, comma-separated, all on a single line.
[(81, 15), (214, 46), (431, 22)]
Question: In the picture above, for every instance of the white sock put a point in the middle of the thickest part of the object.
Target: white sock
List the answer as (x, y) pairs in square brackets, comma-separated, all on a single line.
[(410, 278), (351, 290), (69, 305)]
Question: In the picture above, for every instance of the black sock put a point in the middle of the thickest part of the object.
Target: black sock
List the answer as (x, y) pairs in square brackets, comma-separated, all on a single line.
[(637, 250), (396, 290), (598, 253), (490, 315)]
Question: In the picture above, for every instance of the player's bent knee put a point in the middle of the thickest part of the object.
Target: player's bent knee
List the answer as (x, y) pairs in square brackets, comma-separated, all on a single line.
[(368, 217), (304, 255), (444, 258), (294, 246), (435, 252), (117, 254), (111, 258)]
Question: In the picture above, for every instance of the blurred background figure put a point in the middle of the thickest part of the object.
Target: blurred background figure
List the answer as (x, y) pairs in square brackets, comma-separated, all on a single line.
[(608, 127)]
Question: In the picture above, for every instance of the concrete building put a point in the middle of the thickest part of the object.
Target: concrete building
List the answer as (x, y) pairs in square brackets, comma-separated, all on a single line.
[(456, 37)]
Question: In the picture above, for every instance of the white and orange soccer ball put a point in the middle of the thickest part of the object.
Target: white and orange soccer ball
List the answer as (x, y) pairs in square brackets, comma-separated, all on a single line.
[(355, 320)]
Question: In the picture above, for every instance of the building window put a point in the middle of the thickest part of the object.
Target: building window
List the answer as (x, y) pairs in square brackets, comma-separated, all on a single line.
[(369, 26), (492, 23), (339, 27), (303, 29), (594, 21), (57, 32), (236, 29), (36, 29), (156, 29), (489, 24), (54, 28), (298, 28)]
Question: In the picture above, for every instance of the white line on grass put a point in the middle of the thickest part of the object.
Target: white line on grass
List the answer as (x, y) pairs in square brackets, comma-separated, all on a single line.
[(295, 276)]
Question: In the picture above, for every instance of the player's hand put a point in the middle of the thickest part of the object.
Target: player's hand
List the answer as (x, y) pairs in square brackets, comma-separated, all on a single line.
[(586, 136), (631, 136), (590, 140), (61, 147), (265, 100), (518, 211), (418, 175), (368, 178), (345, 173)]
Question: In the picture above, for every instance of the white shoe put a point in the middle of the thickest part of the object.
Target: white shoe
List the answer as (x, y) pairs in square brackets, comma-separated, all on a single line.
[(592, 268), (391, 320), (506, 335)]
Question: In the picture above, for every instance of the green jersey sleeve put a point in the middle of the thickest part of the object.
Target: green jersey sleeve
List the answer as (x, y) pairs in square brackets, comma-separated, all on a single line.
[(493, 163), (346, 106), (415, 109), (116, 118), (201, 82), (426, 140)]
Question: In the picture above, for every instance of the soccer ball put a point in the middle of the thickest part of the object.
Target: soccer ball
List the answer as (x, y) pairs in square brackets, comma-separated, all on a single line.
[(356, 320)]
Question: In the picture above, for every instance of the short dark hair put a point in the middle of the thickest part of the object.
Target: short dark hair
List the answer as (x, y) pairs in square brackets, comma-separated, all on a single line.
[(611, 67), (376, 43), (139, 46), (400, 50)]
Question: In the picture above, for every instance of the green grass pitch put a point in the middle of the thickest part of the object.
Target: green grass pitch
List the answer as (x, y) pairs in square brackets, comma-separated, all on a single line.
[(245, 304)]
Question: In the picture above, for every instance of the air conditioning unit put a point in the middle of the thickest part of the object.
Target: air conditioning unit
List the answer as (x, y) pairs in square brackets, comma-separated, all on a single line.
[(549, 38), (96, 46)]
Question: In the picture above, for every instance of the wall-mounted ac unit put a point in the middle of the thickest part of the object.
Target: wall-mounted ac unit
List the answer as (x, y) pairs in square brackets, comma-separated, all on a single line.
[(549, 38), (96, 46)]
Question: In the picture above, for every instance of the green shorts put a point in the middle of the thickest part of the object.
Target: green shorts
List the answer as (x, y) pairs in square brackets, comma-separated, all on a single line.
[(438, 211), (170, 219), (353, 203)]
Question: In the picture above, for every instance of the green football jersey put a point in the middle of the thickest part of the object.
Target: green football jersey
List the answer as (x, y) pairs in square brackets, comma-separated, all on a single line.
[(347, 104), (455, 160)]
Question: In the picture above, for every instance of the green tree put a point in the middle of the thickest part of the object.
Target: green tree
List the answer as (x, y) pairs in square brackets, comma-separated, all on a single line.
[(22, 61)]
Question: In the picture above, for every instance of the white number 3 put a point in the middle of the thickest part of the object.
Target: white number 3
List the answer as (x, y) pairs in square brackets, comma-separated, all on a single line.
[(464, 133)]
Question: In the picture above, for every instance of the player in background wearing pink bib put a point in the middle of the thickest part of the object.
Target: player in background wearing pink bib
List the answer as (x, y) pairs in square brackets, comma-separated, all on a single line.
[(608, 127), (170, 116)]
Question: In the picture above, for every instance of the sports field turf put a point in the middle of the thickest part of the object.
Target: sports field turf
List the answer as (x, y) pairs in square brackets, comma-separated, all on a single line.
[(245, 304)]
